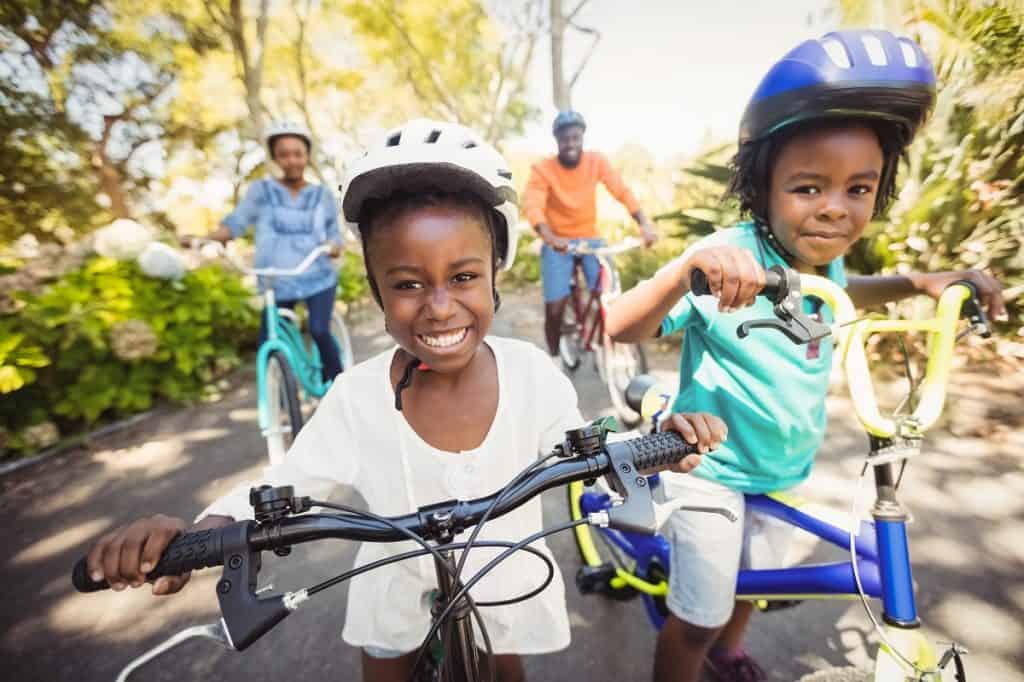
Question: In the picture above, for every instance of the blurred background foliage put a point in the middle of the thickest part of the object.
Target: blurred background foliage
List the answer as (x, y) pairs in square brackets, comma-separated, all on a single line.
[(152, 110)]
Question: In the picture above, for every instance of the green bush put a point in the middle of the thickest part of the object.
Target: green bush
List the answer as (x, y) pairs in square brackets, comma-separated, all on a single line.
[(352, 284), (106, 340), (526, 267)]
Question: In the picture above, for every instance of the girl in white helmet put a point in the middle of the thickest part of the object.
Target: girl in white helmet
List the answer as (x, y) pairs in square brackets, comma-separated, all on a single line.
[(448, 412), (290, 217)]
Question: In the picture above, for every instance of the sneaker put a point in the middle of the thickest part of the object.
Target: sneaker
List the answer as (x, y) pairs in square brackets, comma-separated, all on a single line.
[(733, 666)]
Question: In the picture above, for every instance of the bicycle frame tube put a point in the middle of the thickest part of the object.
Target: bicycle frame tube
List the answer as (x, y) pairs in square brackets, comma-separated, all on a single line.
[(285, 337), (823, 581), (593, 304), (461, 657)]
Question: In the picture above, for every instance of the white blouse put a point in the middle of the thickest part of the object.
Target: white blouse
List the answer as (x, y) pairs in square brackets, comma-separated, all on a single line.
[(357, 438)]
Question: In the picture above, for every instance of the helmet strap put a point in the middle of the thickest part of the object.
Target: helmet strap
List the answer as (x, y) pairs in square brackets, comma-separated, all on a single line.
[(765, 232), (406, 380)]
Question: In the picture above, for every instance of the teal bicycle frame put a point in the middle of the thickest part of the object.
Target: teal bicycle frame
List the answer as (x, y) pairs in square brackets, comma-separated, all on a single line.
[(284, 337)]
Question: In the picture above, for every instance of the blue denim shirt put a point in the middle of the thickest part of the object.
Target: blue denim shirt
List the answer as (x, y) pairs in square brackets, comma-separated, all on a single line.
[(286, 229)]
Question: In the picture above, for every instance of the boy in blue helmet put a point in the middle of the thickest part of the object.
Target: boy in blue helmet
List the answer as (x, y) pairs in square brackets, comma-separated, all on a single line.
[(819, 147)]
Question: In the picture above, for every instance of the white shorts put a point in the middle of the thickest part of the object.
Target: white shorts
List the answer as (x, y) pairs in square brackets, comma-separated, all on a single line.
[(708, 550)]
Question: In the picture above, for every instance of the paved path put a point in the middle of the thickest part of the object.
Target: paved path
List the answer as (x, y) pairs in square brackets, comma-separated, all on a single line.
[(967, 495)]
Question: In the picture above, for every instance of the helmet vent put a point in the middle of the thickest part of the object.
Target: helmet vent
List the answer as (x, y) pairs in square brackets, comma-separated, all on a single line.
[(876, 53), (395, 139), (909, 53), (468, 144), (836, 51), (505, 174), (432, 137)]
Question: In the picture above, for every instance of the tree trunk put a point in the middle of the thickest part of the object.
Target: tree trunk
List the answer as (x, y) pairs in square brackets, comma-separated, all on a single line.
[(559, 87), (110, 181), (251, 60)]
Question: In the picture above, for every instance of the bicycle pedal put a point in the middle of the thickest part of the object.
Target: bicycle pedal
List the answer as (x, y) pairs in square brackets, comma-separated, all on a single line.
[(590, 579), (594, 579)]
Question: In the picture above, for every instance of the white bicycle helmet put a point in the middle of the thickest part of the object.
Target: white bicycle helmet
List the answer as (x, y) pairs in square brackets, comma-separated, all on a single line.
[(286, 127), (425, 155)]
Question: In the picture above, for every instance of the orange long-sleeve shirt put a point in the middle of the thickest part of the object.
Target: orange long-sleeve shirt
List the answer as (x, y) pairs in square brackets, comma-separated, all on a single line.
[(566, 198)]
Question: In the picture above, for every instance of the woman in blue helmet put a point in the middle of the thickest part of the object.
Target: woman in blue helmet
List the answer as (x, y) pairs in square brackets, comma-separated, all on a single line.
[(819, 147)]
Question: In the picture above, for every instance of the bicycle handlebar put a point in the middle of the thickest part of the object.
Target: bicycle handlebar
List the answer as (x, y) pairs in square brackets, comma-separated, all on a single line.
[(585, 249), (302, 267), (786, 288), (621, 461)]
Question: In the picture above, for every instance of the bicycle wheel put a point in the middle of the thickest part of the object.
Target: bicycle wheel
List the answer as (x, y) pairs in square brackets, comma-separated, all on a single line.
[(601, 559), (622, 362), (570, 343), (285, 409), (344, 342)]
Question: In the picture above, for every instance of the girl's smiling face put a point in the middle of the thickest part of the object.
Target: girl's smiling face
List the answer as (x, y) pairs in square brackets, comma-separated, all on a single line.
[(822, 196), (433, 267)]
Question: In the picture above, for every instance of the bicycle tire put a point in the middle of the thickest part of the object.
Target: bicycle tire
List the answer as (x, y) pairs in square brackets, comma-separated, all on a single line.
[(285, 408), (622, 362), (570, 344), (339, 330)]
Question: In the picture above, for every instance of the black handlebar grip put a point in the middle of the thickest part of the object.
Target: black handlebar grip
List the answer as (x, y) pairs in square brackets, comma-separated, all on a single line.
[(699, 283), (772, 284), (660, 450), (189, 552), (83, 582), (185, 553)]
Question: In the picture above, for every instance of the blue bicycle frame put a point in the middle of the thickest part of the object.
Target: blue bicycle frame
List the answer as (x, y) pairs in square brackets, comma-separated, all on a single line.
[(883, 560)]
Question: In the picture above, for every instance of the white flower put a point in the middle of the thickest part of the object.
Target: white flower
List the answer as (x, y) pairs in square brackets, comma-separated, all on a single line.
[(122, 239), (133, 340), (41, 435), (161, 261), (27, 246)]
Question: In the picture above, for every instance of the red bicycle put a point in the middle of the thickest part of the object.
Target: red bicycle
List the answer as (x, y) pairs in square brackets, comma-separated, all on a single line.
[(583, 330)]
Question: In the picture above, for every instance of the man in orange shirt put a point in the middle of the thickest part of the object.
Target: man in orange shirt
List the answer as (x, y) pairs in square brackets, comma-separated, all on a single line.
[(561, 204)]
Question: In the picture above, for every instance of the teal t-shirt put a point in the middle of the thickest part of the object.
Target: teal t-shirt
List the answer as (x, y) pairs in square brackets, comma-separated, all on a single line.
[(768, 390)]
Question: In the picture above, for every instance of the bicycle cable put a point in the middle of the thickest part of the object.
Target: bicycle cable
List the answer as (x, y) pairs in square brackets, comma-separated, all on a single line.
[(519, 546), (487, 514), (435, 552), (854, 521), (439, 560)]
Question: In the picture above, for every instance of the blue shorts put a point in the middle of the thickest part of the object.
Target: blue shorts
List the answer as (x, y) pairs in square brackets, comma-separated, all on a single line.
[(556, 270)]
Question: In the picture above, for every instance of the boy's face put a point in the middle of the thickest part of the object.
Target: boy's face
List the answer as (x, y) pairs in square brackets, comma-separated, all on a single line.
[(291, 155), (823, 188), (433, 268)]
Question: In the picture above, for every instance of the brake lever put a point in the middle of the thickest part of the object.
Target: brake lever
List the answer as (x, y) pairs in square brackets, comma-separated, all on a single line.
[(665, 509), (790, 318), (798, 327)]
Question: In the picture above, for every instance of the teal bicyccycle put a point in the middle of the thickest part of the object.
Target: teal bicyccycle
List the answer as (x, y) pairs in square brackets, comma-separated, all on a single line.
[(288, 364)]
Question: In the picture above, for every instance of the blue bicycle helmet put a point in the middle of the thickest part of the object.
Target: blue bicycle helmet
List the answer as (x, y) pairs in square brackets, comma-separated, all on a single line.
[(567, 118), (844, 74)]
